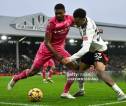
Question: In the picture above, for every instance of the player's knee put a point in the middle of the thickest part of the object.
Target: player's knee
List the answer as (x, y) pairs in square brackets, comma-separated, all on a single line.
[(28, 71), (31, 72)]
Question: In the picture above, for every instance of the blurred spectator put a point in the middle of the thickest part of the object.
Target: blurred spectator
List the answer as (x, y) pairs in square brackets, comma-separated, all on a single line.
[(117, 62), (27, 52), (8, 64)]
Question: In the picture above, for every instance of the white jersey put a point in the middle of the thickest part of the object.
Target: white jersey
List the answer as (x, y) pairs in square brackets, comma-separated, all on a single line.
[(91, 40)]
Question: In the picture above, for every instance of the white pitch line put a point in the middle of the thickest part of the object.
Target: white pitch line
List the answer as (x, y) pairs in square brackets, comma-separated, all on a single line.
[(19, 104), (110, 103)]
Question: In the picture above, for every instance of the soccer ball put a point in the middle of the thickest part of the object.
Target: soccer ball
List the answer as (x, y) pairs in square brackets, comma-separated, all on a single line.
[(35, 95)]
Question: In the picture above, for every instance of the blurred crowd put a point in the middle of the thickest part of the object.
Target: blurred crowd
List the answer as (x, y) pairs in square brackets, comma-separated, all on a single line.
[(8, 63), (116, 51), (117, 63)]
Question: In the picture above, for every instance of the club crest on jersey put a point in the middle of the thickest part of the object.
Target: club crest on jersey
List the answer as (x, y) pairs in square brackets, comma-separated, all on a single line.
[(98, 56), (85, 38)]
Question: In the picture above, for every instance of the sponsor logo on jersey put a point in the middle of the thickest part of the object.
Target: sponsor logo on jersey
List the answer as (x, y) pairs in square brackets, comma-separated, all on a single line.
[(62, 31)]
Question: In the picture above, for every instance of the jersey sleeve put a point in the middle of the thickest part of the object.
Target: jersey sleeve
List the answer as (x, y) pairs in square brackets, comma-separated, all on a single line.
[(94, 25), (49, 28), (71, 20)]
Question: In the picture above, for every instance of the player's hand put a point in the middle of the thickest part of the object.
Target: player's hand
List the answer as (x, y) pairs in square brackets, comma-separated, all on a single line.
[(66, 60)]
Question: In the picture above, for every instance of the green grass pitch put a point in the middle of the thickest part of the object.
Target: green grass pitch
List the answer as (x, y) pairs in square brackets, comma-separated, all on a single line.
[(96, 93)]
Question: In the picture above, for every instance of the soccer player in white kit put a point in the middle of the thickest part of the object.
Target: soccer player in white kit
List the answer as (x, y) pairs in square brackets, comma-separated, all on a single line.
[(92, 51)]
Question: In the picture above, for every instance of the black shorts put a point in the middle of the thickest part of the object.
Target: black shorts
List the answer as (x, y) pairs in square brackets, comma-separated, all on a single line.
[(89, 58)]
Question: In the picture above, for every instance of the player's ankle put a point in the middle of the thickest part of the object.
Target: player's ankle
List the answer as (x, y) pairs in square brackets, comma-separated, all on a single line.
[(117, 89), (15, 78), (49, 78), (120, 94), (66, 92)]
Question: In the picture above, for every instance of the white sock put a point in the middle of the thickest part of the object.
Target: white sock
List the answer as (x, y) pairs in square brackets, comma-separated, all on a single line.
[(81, 85), (116, 88)]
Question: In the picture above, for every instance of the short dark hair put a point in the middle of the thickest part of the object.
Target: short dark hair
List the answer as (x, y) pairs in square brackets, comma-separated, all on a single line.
[(79, 13), (59, 6)]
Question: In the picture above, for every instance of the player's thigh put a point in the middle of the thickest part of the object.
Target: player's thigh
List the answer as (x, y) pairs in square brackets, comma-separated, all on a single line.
[(99, 66), (51, 62), (86, 61), (42, 56), (63, 52), (83, 67), (44, 69), (100, 61), (71, 65)]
